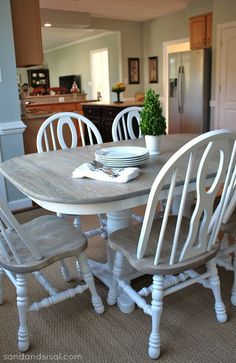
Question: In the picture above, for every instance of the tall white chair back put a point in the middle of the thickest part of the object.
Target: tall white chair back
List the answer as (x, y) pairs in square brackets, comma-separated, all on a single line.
[(51, 137), (204, 226), (123, 124)]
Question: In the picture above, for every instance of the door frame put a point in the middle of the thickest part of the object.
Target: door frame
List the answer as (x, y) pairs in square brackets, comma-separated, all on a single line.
[(220, 28)]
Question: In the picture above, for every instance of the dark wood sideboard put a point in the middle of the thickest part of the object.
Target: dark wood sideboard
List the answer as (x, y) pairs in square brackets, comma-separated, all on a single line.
[(103, 114)]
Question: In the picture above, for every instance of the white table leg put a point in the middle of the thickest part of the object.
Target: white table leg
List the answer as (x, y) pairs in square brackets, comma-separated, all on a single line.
[(115, 221)]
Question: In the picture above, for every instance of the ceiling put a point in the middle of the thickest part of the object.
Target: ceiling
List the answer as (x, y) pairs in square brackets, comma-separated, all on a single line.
[(132, 10)]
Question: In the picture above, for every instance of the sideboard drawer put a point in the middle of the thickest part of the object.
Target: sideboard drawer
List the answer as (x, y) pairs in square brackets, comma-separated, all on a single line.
[(90, 111), (110, 113)]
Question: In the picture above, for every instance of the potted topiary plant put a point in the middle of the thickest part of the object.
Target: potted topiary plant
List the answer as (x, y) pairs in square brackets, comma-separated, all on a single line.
[(152, 122)]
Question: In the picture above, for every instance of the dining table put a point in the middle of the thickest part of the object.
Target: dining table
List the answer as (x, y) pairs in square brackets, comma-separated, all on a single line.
[(46, 178)]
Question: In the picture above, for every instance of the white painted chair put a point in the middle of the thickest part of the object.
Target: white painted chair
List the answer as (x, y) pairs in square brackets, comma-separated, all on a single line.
[(226, 256), (123, 124), (123, 129), (170, 247), (51, 136), (29, 248)]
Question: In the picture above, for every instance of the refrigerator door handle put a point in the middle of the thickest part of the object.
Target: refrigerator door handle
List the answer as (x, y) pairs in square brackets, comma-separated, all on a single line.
[(182, 89), (179, 93)]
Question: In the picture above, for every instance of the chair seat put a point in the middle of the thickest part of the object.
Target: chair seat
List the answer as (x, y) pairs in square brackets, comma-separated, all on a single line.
[(126, 241), (53, 237)]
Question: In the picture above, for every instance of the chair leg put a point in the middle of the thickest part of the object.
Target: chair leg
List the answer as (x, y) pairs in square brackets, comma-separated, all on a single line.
[(77, 222), (103, 225), (88, 278), (157, 307), (215, 286), (1, 285), (65, 271), (117, 270), (233, 292), (22, 305), (79, 274)]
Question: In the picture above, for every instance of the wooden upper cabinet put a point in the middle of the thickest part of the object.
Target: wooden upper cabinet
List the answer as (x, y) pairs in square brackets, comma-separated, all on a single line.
[(27, 32), (200, 31), (209, 30)]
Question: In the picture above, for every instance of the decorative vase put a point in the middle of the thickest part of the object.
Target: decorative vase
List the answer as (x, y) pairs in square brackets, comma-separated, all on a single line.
[(118, 97), (153, 144)]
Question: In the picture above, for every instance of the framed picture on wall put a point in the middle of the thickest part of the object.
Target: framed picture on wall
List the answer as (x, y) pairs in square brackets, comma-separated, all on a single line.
[(133, 66), (153, 69)]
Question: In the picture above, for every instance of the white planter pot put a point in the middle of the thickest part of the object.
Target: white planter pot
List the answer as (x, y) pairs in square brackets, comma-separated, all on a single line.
[(153, 144)]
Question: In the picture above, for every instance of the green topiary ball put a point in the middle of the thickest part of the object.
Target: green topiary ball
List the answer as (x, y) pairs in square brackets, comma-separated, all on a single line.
[(152, 122)]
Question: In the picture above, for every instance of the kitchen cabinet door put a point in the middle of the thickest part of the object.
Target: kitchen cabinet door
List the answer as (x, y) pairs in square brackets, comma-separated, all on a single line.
[(200, 31), (209, 30), (26, 25)]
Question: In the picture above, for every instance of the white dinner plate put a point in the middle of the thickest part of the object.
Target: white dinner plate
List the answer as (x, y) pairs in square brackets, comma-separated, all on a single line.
[(144, 157), (122, 164), (121, 152), (122, 156)]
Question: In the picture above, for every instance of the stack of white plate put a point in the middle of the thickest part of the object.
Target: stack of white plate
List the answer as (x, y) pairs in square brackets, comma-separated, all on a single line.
[(122, 156)]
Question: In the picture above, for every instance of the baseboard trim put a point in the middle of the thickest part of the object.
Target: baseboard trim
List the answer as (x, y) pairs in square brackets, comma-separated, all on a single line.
[(20, 204)]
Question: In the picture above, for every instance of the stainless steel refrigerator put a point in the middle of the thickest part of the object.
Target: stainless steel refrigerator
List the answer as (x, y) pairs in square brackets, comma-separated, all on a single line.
[(189, 91)]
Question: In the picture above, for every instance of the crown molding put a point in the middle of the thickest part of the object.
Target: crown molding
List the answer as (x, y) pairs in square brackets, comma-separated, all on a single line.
[(83, 40)]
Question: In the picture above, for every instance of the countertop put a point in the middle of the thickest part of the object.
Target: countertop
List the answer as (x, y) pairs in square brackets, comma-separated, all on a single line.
[(114, 104)]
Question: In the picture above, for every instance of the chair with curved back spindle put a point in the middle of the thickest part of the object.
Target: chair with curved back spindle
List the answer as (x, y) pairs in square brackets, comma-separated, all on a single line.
[(170, 247)]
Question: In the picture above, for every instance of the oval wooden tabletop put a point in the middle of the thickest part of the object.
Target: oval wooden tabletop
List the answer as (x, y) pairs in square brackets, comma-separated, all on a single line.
[(48, 176)]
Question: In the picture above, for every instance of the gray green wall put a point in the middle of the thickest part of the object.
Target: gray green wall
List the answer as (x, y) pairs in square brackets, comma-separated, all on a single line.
[(131, 47), (9, 104), (165, 29), (156, 32), (124, 42), (11, 144), (75, 59)]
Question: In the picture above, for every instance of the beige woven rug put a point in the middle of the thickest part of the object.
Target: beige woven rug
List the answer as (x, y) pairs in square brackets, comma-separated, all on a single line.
[(71, 331)]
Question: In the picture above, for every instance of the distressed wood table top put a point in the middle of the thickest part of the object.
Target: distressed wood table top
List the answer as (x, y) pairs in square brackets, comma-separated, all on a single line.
[(48, 176)]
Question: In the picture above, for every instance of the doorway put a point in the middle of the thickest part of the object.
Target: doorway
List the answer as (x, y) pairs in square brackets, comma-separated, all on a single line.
[(175, 46), (225, 105), (100, 74)]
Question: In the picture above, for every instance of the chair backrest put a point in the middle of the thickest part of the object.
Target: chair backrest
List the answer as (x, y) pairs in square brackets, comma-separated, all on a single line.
[(8, 251), (51, 137), (230, 205), (209, 161), (123, 124)]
